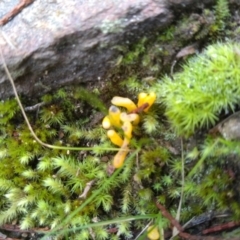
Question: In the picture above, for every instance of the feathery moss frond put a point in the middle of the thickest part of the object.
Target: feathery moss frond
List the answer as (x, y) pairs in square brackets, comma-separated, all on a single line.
[(66, 166), (222, 12), (45, 164), (52, 115), (132, 84), (150, 123), (27, 223), (126, 201), (26, 158), (91, 98), (8, 109), (5, 184), (30, 174), (55, 185), (106, 201)]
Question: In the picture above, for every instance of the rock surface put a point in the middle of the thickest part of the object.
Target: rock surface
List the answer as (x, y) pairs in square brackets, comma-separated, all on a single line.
[(52, 43)]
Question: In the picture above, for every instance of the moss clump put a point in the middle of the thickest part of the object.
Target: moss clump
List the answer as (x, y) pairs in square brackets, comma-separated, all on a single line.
[(207, 86), (42, 186), (195, 98)]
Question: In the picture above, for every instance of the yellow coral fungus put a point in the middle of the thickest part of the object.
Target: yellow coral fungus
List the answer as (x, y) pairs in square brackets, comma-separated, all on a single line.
[(106, 123), (119, 158), (150, 99), (118, 119), (114, 116), (124, 102), (127, 129), (141, 99), (153, 233), (131, 117), (137, 118), (115, 138)]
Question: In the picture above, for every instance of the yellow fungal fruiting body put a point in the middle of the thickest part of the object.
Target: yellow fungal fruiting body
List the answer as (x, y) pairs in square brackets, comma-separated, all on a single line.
[(125, 121), (131, 117), (106, 123), (153, 233), (141, 99), (127, 129), (114, 116), (150, 99), (124, 102), (136, 118), (119, 158), (114, 137)]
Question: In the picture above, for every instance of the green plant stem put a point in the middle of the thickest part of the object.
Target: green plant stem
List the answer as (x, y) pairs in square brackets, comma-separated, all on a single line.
[(175, 230), (104, 223)]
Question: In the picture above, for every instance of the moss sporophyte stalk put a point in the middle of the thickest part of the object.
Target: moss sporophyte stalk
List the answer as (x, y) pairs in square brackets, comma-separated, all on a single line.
[(125, 121)]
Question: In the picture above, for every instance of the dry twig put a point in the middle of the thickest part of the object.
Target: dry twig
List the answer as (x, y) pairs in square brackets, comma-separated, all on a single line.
[(182, 234), (15, 11), (86, 189)]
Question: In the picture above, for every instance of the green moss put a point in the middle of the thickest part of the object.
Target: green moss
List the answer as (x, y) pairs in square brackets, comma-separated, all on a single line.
[(194, 99), (42, 187), (206, 87)]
